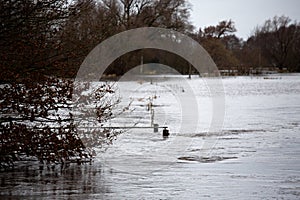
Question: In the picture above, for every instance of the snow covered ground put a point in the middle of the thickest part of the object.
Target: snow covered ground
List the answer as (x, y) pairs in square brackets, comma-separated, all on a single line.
[(255, 156)]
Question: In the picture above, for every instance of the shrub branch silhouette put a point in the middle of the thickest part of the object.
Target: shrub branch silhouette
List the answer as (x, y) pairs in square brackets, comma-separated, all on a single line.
[(37, 121)]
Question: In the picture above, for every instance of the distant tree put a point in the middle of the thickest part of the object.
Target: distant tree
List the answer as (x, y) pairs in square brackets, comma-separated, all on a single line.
[(172, 14), (277, 40), (232, 42), (91, 22), (28, 35), (224, 58), (220, 43), (218, 31)]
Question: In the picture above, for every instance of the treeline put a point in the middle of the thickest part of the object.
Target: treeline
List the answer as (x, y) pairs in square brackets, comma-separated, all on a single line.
[(53, 37), (275, 44)]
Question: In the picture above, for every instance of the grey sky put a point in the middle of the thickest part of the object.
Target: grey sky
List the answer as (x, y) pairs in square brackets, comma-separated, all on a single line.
[(246, 14)]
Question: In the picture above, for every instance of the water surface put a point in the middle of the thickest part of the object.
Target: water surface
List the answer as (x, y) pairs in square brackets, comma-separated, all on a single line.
[(255, 156)]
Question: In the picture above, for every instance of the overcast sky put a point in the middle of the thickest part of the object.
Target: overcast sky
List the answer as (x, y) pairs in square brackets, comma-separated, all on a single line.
[(246, 14)]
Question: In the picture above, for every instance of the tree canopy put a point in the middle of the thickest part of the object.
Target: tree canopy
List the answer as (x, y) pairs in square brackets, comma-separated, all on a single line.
[(278, 41), (53, 37)]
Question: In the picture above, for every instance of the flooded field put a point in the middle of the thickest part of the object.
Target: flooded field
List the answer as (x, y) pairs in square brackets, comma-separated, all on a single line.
[(254, 156)]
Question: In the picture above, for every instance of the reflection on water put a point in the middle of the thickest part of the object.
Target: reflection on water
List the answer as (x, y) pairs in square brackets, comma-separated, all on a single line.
[(75, 181), (256, 156)]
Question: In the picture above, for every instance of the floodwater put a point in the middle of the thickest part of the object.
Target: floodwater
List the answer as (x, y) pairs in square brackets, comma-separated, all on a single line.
[(256, 155)]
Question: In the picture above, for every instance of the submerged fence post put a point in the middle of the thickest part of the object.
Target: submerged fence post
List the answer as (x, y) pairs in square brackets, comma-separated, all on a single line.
[(155, 128), (166, 133)]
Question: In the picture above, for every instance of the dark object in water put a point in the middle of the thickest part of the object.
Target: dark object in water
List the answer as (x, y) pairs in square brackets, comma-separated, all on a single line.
[(165, 133), (155, 128), (204, 159)]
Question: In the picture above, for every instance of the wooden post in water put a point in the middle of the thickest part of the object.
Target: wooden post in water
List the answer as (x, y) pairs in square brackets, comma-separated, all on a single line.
[(190, 71)]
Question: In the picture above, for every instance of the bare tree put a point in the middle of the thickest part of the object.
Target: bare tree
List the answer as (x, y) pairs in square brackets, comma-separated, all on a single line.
[(28, 31), (276, 40), (221, 30), (163, 13), (220, 43)]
